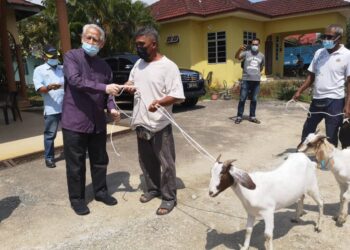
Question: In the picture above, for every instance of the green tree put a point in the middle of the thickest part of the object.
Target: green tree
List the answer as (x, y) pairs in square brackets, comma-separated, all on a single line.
[(119, 19)]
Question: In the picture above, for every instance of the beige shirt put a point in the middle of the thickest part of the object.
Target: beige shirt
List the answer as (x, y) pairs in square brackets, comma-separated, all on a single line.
[(154, 81)]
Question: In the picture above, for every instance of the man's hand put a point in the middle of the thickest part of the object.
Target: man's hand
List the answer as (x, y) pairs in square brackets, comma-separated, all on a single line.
[(112, 89), (154, 106), (115, 114), (53, 86), (296, 95), (129, 87)]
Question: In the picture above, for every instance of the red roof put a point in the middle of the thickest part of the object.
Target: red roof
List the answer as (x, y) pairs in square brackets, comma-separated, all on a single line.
[(169, 9), (22, 2)]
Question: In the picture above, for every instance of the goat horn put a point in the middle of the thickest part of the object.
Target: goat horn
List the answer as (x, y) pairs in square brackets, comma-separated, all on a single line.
[(218, 159), (228, 162)]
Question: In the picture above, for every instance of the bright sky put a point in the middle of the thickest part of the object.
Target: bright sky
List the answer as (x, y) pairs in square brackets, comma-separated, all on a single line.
[(146, 1)]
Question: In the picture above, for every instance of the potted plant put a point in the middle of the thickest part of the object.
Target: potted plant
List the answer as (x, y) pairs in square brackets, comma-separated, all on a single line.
[(214, 90)]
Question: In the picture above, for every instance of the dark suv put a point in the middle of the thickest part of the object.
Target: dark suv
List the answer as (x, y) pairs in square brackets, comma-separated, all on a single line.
[(122, 63)]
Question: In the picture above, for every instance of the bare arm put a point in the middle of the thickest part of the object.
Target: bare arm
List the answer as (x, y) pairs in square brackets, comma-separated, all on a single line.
[(307, 83), (239, 51), (166, 101)]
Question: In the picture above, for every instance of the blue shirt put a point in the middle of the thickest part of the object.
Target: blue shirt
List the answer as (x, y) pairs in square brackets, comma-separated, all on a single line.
[(45, 75), (85, 96)]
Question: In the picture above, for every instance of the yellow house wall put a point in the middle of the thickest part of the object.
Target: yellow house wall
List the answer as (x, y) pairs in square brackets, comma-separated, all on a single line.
[(308, 24), (191, 51)]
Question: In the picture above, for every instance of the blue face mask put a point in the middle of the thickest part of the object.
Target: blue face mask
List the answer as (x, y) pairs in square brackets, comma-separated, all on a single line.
[(90, 49), (328, 44), (52, 62)]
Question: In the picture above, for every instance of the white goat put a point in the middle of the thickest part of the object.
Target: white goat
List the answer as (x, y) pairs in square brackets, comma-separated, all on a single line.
[(262, 193), (338, 161)]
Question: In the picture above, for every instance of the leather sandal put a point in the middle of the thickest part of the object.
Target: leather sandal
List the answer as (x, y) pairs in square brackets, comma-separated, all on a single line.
[(166, 207), (146, 197)]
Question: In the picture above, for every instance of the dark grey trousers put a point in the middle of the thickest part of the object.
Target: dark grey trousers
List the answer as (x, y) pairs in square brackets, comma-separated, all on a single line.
[(157, 161)]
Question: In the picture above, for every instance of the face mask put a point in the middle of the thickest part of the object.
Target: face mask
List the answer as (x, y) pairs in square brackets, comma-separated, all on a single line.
[(90, 49), (142, 52), (328, 44), (52, 62), (255, 48)]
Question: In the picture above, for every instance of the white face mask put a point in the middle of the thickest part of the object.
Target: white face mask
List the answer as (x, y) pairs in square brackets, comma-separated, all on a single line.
[(255, 48)]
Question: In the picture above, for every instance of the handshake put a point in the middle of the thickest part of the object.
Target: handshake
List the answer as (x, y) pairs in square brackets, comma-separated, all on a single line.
[(114, 89)]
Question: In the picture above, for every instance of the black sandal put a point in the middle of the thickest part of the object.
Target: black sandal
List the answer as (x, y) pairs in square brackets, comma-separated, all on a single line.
[(254, 120), (238, 120), (168, 206), (146, 197)]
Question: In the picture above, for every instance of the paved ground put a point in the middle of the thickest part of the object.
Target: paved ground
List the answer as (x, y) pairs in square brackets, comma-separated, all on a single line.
[(35, 212)]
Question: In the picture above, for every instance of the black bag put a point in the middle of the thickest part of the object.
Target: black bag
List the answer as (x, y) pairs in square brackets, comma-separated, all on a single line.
[(344, 134)]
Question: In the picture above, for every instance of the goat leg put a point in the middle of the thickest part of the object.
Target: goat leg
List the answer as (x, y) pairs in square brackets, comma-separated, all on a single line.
[(343, 211), (248, 232), (268, 217), (299, 210)]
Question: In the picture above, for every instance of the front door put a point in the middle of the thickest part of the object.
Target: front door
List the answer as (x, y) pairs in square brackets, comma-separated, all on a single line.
[(268, 55)]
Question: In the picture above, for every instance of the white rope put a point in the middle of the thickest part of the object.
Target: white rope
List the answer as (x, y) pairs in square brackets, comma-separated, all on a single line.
[(165, 113), (308, 111)]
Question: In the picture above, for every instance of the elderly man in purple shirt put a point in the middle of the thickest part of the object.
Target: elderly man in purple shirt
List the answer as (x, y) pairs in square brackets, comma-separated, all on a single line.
[(87, 79)]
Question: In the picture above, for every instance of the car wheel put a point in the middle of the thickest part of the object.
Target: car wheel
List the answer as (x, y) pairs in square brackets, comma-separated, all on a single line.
[(190, 102)]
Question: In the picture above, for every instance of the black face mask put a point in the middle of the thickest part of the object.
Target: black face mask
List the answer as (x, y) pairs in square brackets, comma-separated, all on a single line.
[(142, 52)]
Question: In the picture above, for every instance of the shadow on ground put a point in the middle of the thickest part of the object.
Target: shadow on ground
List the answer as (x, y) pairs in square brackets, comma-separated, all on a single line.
[(7, 206), (236, 239), (116, 182)]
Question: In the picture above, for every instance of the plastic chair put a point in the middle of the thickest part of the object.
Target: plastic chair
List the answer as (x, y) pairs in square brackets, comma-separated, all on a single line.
[(10, 102)]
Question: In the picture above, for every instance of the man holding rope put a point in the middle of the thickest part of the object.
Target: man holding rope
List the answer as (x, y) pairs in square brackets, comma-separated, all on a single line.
[(158, 82), (329, 71)]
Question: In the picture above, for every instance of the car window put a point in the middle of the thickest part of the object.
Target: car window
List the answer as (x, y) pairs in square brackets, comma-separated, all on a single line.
[(113, 63), (125, 64)]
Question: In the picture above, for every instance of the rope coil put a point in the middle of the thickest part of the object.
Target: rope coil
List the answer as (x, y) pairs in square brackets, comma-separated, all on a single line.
[(165, 113)]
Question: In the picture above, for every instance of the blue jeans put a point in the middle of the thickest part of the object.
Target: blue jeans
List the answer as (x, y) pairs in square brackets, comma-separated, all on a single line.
[(51, 126), (252, 88), (333, 123)]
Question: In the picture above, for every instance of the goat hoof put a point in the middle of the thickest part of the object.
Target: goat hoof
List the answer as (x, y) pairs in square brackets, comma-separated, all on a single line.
[(340, 221), (335, 217), (244, 248), (294, 220), (317, 229)]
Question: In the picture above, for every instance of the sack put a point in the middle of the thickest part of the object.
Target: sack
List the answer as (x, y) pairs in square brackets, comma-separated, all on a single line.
[(344, 134), (144, 133)]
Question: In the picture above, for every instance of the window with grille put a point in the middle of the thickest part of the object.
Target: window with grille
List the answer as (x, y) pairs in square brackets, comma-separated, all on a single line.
[(217, 47), (248, 37)]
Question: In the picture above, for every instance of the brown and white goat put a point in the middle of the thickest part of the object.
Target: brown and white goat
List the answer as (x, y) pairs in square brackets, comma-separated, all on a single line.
[(262, 193), (338, 161)]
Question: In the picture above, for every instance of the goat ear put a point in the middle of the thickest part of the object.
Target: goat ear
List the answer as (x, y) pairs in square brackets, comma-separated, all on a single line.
[(243, 178), (229, 162), (320, 138), (218, 159), (317, 131)]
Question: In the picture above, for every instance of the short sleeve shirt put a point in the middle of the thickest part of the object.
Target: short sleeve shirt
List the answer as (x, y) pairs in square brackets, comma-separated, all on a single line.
[(43, 76), (154, 81), (253, 63), (331, 71)]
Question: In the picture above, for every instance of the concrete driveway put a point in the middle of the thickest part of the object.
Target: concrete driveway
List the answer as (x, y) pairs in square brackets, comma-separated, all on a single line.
[(35, 212)]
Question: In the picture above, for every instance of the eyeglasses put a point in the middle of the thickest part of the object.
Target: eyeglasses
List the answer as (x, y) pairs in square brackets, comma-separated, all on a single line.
[(327, 37), (94, 39)]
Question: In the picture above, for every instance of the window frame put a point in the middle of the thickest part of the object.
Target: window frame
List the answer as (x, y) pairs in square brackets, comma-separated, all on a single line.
[(220, 45)]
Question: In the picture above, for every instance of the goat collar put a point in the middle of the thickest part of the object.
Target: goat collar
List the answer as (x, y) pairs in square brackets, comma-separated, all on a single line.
[(325, 163)]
